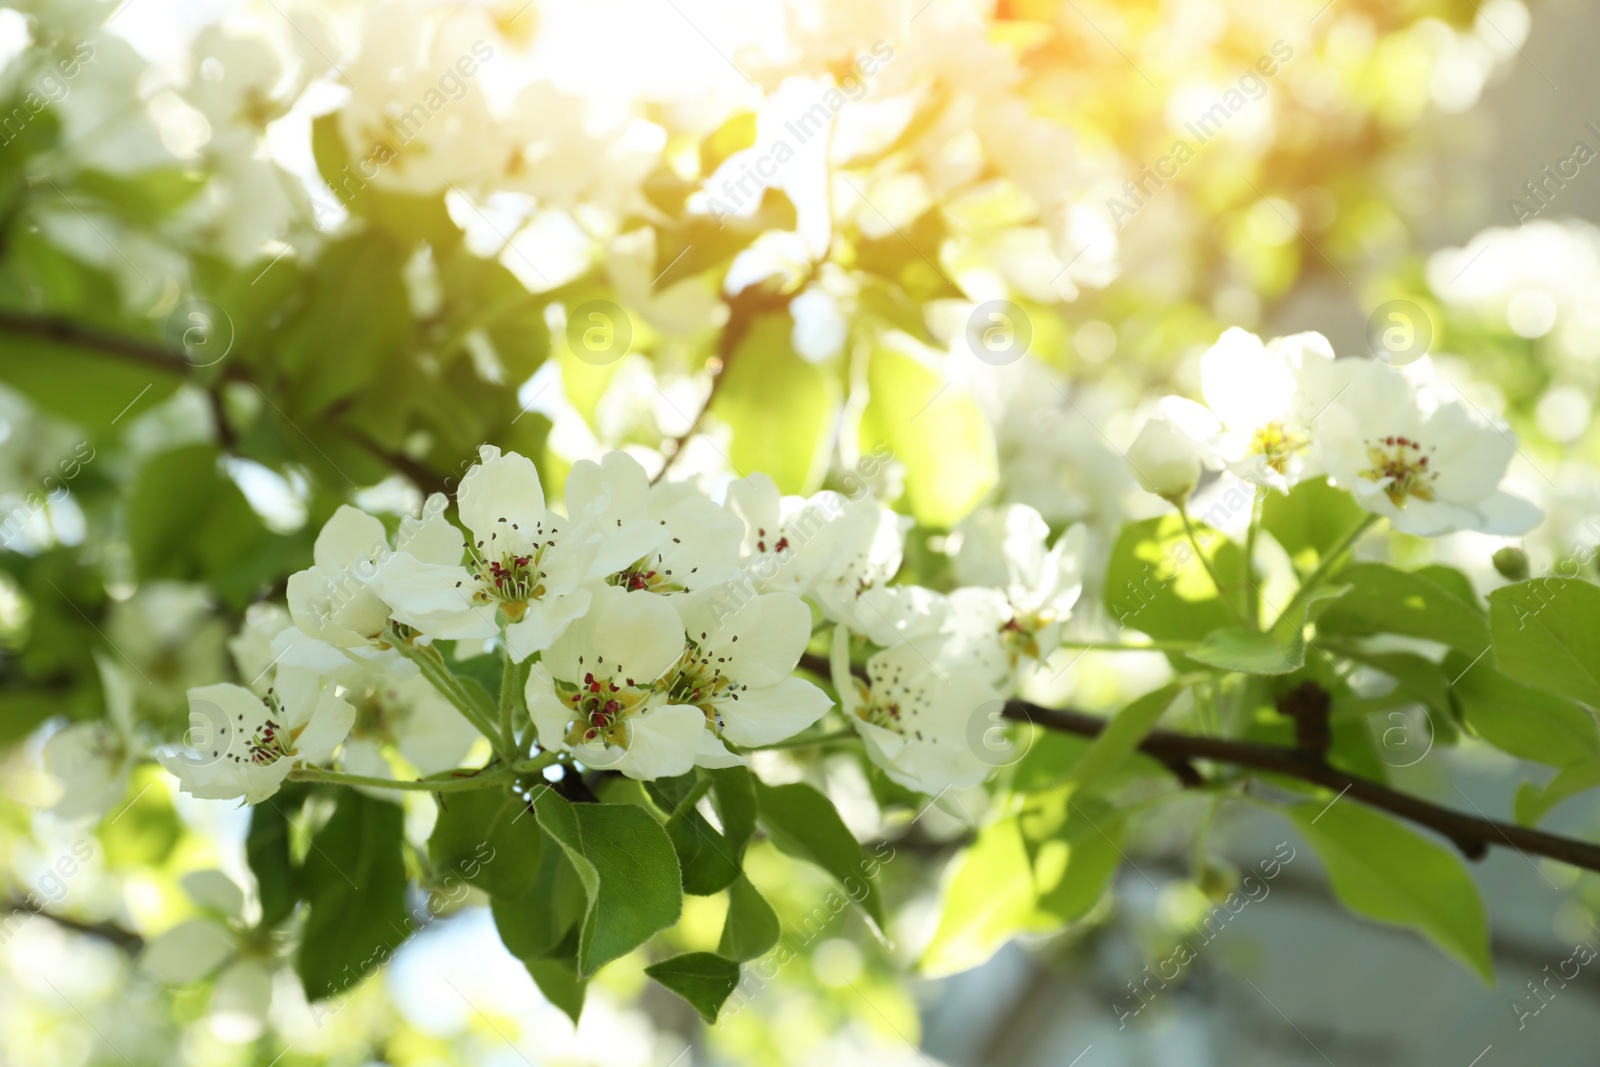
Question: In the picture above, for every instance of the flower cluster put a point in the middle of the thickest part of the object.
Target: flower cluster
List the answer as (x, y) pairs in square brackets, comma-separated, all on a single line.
[(652, 629), (1286, 411)]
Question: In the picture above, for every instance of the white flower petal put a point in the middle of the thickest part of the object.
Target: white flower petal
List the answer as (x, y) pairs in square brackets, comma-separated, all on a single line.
[(329, 725), (545, 621), (663, 742), (349, 538), (501, 487), (214, 890), (766, 714), (188, 952)]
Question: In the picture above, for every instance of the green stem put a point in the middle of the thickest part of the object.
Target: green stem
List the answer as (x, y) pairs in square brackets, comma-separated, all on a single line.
[(433, 668), (508, 685), (1253, 603), (538, 763), (1205, 561), (454, 784), (803, 742), (701, 787), (1331, 560), (1197, 860), (1116, 646)]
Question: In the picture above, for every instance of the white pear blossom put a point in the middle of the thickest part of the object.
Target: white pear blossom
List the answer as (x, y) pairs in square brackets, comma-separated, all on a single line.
[(336, 599), (695, 544), (915, 712), (781, 549), (601, 691), (241, 745), (737, 668), (93, 760), (1430, 466), (1012, 585), (527, 566), (213, 943), (861, 549), (409, 716), (1267, 398), (1166, 459)]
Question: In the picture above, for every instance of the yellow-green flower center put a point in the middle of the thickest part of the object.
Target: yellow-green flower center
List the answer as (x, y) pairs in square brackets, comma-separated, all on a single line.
[(1277, 445), (1404, 463)]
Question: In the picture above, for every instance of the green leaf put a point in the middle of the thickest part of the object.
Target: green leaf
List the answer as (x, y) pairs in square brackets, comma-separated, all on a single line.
[(699, 242), (751, 927), (267, 850), (355, 883), (1382, 599), (1044, 865), (789, 439), (1119, 740), (1311, 519), (909, 256), (1454, 582), (1074, 846), (142, 198), (628, 869), (1534, 802), (1155, 584), (558, 980), (86, 388), (735, 135), (805, 824), (1237, 649), (1547, 633), (1418, 679), (1388, 873), (357, 307), (733, 795), (537, 924), (705, 856), (703, 979), (1531, 723), (188, 521), (488, 838), (938, 432)]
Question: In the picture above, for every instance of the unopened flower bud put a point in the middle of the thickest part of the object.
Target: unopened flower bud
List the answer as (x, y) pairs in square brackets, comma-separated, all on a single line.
[(1512, 563), (1165, 460)]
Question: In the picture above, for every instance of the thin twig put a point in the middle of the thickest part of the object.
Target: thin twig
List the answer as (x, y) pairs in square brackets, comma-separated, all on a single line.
[(110, 932), (1471, 834), (1178, 751)]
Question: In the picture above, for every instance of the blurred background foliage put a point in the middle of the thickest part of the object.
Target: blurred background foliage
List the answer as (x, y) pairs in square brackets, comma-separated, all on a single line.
[(219, 319)]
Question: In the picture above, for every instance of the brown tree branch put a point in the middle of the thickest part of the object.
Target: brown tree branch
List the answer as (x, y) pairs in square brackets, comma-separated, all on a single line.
[(1473, 835), (743, 310), (66, 331), (124, 939)]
